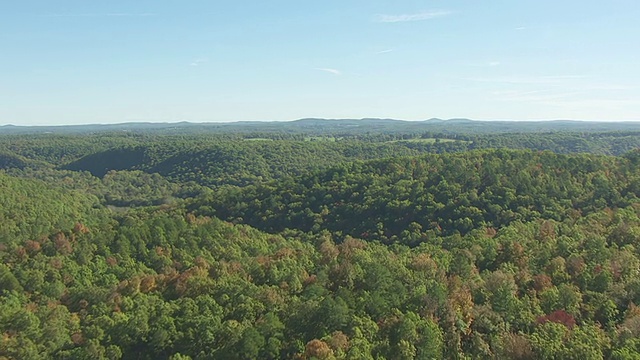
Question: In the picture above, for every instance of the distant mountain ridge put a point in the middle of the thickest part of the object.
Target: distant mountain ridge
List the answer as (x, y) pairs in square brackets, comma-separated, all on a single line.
[(330, 126)]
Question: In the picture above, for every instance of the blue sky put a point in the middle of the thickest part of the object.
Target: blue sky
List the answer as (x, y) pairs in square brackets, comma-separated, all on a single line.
[(95, 61)]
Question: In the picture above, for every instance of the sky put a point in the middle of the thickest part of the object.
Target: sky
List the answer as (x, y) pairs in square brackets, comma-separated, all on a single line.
[(98, 61)]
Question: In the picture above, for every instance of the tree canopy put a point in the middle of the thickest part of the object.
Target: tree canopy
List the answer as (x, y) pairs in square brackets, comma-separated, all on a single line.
[(198, 247)]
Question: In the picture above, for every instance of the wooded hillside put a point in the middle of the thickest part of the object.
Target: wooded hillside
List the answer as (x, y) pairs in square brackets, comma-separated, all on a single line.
[(151, 247)]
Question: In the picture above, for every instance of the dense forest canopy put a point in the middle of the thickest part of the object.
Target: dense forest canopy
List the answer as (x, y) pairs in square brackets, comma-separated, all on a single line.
[(321, 242), (448, 193)]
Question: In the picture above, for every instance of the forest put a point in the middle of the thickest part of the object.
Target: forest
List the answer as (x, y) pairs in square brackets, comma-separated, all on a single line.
[(320, 242)]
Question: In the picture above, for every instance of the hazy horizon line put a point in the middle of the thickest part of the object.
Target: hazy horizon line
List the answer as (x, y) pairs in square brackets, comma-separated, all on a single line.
[(196, 122)]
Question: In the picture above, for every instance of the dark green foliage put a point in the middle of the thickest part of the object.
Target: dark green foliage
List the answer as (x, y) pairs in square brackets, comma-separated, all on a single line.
[(405, 199), (233, 162), (12, 161), (113, 159)]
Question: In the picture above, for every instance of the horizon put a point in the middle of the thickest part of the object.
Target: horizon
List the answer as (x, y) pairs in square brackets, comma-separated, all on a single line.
[(230, 122), (77, 63)]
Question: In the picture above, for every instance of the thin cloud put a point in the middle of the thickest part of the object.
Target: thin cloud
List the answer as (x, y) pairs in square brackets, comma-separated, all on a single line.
[(426, 15), (576, 99), (564, 94), (330, 71), (485, 64), (608, 87), (535, 96), (384, 51), (93, 15), (198, 61), (596, 103), (521, 28), (555, 79)]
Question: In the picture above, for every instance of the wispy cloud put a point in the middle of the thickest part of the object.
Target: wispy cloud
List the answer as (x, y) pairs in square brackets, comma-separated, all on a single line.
[(330, 71), (553, 79), (484, 64), (533, 96), (595, 103), (198, 61), (608, 87), (96, 15), (425, 15), (384, 51), (571, 99), (521, 28)]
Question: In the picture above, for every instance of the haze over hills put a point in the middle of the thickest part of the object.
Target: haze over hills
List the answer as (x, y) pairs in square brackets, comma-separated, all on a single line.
[(347, 126)]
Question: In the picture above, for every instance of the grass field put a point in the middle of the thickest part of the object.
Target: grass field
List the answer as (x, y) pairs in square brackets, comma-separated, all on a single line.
[(257, 139), (429, 140), (320, 138)]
